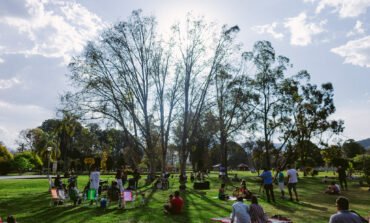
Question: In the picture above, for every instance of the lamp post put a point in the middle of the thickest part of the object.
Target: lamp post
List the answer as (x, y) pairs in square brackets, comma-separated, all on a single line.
[(49, 153)]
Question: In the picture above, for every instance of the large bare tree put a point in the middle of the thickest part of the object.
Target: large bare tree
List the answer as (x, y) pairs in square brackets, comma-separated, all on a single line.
[(202, 51), (115, 80)]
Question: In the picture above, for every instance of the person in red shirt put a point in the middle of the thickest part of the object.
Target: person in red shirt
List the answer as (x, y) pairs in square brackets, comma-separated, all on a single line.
[(176, 204)]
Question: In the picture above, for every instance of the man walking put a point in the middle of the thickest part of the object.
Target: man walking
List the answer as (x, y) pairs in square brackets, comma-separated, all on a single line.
[(292, 182)]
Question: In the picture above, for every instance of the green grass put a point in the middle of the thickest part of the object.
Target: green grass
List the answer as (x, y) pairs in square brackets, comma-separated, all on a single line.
[(28, 200)]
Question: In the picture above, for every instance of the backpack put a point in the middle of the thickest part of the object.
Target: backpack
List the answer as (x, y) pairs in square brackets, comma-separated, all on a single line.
[(363, 220)]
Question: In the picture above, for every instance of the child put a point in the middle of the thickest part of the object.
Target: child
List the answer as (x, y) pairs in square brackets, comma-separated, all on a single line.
[(167, 206), (221, 193)]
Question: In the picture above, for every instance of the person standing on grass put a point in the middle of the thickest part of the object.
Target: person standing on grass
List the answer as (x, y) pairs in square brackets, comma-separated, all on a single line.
[(292, 182), (267, 183), (280, 180), (342, 177), (136, 176), (119, 176), (120, 186), (344, 215), (240, 212), (94, 181)]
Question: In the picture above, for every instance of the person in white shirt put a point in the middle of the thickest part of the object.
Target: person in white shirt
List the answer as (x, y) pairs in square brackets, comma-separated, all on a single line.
[(95, 180), (292, 182), (240, 212)]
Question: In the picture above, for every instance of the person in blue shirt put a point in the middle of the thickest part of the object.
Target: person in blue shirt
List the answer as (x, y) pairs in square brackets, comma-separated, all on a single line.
[(267, 184)]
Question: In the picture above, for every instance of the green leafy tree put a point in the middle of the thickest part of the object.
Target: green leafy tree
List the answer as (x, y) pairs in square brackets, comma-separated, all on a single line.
[(351, 148), (330, 154), (65, 130), (362, 162), (237, 154), (271, 111), (22, 164), (5, 160), (312, 107), (32, 157), (236, 104)]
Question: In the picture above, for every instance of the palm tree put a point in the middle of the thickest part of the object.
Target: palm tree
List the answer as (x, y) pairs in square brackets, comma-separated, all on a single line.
[(66, 130)]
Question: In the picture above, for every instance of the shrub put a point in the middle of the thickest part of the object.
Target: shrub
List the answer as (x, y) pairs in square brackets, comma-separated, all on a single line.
[(5, 160), (22, 164)]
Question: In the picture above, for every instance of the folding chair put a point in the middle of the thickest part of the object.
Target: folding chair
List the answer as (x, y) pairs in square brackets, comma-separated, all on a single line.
[(56, 197)]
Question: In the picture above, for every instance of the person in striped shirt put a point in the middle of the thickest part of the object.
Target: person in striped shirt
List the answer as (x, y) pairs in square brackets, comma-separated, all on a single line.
[(256, 211)]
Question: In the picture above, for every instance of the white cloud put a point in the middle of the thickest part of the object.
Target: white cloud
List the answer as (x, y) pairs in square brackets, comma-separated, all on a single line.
[(354, 117), (16, 117), (302, 30), (269, 29), (56, 28), (8, 83), (356, 52), (357, 29), (1, 60), (345, 8)]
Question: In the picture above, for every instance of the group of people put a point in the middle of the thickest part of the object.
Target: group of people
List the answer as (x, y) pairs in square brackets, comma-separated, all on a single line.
[(268, 180), (95, 184), (243, 213), (241, 191), (174, 204), (9, 219)]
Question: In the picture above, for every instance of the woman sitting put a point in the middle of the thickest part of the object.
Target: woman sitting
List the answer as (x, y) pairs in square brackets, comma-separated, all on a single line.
[(74, 194), (245, 193), (256, 211), (236, 192)]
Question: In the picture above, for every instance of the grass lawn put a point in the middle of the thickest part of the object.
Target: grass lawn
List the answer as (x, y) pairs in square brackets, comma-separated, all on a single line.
[(28, 200)]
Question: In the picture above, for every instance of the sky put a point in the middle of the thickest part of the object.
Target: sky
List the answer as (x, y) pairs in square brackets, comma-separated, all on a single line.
[(38, 38)]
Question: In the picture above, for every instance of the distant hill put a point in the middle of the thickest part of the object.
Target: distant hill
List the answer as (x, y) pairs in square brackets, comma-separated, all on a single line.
[(365, 143)]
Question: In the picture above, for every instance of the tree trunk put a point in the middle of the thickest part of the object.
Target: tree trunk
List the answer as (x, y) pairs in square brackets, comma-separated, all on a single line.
[(224, 150)]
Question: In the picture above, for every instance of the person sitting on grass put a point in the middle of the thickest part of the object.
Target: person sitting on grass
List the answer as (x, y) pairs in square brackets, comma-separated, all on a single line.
[(221, 193), (74, 194), (175, 205), (245, 193), (58, 182), (243, 183), (240, 212), (333, 189), (256, 211), (11, 219), (236, 192)]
